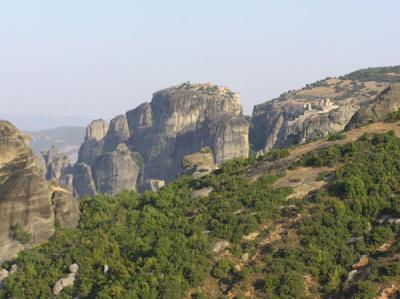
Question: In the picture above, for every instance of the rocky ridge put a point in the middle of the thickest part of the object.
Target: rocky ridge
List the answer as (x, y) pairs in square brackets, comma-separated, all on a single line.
[(323, 108)]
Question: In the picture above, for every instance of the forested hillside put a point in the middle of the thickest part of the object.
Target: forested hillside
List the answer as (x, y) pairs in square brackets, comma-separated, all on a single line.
[(247, 239)]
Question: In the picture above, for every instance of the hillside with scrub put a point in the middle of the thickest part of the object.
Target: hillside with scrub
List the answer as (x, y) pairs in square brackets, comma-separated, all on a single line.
[(249, 238)]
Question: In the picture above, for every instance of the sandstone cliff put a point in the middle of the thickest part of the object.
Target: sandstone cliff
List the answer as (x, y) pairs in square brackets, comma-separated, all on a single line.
[(317, 110), (149, 142), (25, 196)]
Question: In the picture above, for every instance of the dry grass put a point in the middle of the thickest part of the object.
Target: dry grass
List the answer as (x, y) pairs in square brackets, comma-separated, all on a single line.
[(303, 180), (263, 167)]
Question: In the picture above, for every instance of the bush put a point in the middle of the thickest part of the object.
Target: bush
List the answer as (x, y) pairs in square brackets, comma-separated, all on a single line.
[(291, 285), (336, 136), (393, 116), (17, 233), (381, 234), (222, 269)]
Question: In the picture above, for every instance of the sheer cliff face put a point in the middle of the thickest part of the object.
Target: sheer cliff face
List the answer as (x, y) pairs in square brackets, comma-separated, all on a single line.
[(150, 141), (277, 126), (313, 112), (25, 197), (184, 119)]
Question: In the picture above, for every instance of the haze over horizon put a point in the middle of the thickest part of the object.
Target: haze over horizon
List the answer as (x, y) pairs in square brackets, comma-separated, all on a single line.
[(113, 56)]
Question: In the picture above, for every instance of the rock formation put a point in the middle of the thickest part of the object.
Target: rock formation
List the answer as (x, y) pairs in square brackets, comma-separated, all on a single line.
[(318, 110), (279, 124), (199, 164), (376, 110), (58, 167), (66, 209), (105, 163), (148, 143), (154, 185), (67, 281), (25, 196)]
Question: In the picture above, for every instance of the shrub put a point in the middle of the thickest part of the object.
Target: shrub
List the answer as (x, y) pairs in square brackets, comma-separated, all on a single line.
[(17, 233), (222, 269)]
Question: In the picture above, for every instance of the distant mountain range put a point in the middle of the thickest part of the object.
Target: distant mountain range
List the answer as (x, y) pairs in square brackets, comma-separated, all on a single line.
[(37, 122), (67, 139)]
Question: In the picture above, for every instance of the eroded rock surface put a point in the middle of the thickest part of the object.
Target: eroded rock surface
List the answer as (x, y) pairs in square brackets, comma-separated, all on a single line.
[(25, 196), (149, 142), (66, 209), (67, 281), (199, 164), (317, 110), (58, 167)]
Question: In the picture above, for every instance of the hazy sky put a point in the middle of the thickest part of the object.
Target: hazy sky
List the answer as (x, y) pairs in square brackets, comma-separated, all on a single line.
[(99, 58)]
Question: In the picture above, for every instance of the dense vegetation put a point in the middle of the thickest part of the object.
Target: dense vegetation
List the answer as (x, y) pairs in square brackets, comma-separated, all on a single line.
[(155, 245), (159, 244), (381, 74)]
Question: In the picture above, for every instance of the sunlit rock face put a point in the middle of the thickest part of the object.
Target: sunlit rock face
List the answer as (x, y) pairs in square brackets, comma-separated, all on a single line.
[(149, 142), (25, 195), (317, 110)]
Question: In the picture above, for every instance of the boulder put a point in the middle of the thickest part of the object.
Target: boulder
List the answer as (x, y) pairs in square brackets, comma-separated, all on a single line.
[(199, 164), (204, 192), (3, 274), (63, 283), (73, 268), (154, 185), (220, 246), (67, 281)]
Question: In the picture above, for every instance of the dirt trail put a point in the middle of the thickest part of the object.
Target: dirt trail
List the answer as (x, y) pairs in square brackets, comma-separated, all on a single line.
[(264, 167)]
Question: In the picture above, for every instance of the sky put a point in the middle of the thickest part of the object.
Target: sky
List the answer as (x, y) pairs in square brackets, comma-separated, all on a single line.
[(97, 58)]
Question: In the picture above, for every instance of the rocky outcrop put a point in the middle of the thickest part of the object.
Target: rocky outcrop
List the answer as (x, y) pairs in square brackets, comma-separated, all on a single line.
[(154, 185), (378, 109), (83, 180), (182, 120), (315, 111), (58, 167), (116, 170), (66, 209), (105, 163), (67, 281), (280, 124), (199, 164), (25, 196), (149, 142), (203, 192)]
